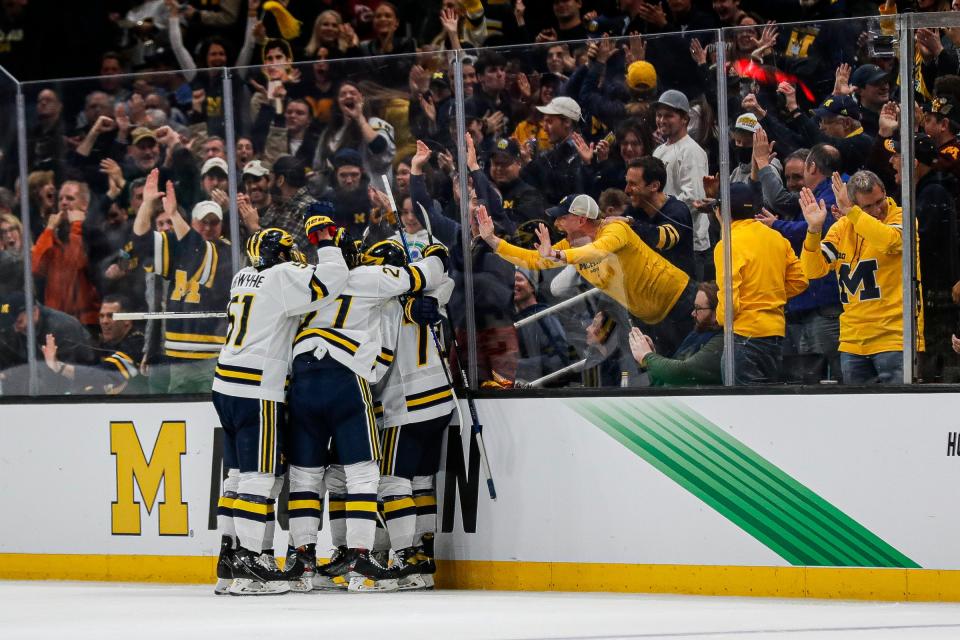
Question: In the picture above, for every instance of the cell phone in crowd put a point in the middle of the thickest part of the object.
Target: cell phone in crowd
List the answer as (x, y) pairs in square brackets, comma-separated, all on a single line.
[(610, 138)]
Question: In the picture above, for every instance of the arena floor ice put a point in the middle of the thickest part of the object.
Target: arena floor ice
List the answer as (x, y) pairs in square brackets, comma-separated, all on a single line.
[(100, 611)]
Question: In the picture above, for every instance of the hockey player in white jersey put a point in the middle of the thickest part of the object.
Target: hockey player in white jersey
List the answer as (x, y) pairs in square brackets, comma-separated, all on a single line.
[(267, 300), (336, 355), (417, 403)]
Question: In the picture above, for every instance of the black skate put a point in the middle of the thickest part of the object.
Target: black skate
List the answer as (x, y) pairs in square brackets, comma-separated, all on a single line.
[(300, 568), (366, 574), (330, 576), (413, 572), (224, 567), (257, 575)]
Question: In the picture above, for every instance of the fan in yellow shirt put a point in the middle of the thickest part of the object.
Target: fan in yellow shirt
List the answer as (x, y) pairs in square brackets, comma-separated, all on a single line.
[(765, 273), (865, 248), (614, 259)]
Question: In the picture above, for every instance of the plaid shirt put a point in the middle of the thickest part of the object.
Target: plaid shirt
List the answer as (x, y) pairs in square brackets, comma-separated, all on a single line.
[(290, 216)]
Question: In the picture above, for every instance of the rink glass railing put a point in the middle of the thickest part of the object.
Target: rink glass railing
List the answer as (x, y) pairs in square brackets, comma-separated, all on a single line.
[(22, 144)]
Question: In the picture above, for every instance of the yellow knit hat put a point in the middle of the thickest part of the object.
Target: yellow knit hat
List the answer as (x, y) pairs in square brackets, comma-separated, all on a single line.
[(641, 75)]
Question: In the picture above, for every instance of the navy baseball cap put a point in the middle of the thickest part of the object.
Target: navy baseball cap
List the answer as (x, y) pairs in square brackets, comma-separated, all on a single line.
[(868, 74), (506, 147), (924, 150), (11, 306), (838, 106), (743, 201)]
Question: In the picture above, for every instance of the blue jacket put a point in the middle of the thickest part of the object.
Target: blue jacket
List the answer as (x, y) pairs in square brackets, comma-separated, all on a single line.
[(822, 291)]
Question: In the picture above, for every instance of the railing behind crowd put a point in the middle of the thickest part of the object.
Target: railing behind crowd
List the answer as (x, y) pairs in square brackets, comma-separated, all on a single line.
[(582, 188)]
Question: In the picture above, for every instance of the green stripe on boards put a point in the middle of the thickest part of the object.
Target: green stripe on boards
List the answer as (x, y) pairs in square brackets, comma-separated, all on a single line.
[(715, 497), (859, 539), (741, 485)]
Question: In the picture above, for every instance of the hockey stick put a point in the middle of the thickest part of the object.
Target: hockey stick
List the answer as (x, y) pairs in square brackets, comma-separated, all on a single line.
[(166, 315), (569, 302), (477, 428), (570, 368)]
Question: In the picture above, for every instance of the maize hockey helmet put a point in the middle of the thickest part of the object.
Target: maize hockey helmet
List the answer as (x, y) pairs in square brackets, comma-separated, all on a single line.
[(269, 247), (385, 252)]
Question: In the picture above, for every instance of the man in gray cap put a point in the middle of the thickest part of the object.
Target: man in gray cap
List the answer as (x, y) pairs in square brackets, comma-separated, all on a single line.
[(686, 163), (560, 170)]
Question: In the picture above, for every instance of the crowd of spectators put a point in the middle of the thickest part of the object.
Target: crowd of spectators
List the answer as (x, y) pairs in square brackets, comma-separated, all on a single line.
[(128, 170)]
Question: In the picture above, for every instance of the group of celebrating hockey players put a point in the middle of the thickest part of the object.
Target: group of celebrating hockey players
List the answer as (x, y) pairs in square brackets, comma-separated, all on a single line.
[(331, 373)]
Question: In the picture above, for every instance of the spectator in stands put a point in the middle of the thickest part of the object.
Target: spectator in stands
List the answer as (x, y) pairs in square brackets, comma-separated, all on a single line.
[(686, 164), (938, 237), (543, 344), (613, 203), (662, 221), (492, 101), (864, 247), (196, 262), (353, 127), (119, 354), (257, 186), (742, 134), (521, 201), (143, 154), (11, 253), (812, 339), (46, 135), (561, 169), (568, 20), (214, 181), (633, 139), (213, 147), (765, 274), (941, 122), (697, 361), (327, 35), (871, 85), (42, 192), (244, 152), (839, 126), (351, 202), (60, 258), (74, 342), (388, 72), (612, 258), (289, 201)]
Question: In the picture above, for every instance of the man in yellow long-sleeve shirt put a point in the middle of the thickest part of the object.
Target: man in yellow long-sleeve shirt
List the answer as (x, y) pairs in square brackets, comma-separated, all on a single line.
[(765, 273), (612, 258), (864, 247)]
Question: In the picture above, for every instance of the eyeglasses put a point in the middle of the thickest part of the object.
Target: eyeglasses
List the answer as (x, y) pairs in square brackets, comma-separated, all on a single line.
[(703, 308)]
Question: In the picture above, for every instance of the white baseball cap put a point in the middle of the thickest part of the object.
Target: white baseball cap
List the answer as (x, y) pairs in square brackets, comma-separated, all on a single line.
[(747, 122), (255, 168), (204, 208), (562, 106), (213, 163), (579, 204)]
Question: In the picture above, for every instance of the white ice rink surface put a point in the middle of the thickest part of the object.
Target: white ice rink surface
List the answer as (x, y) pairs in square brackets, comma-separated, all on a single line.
[(101, 611)]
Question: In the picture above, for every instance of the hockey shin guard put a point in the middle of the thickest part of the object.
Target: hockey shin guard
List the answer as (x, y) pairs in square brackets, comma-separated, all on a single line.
[(225, 505), (399, 510), (252, 509), (336, 504), (306, 504), (361, 503), (425, 499)]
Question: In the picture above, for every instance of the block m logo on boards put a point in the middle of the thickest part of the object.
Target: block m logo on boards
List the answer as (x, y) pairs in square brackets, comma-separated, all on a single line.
[(133, 468)]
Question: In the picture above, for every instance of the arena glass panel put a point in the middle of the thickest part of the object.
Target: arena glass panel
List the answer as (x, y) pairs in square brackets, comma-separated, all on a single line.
[(14, 250), (342, 135), (810, 101), (927, 176), (92, 145), (550, 123)]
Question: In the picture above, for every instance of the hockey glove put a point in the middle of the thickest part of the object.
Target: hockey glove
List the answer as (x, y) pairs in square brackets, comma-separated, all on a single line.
[(317, 226), (422, 310)]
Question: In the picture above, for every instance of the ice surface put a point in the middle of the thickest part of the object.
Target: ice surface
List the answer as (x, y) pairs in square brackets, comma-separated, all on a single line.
[(101, 611)]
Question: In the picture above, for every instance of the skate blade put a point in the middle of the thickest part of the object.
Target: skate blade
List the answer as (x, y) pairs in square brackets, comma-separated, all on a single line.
[(415, 582), (326, 583), (361, 584), (247, 587), (222, 587), (303, 584)]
